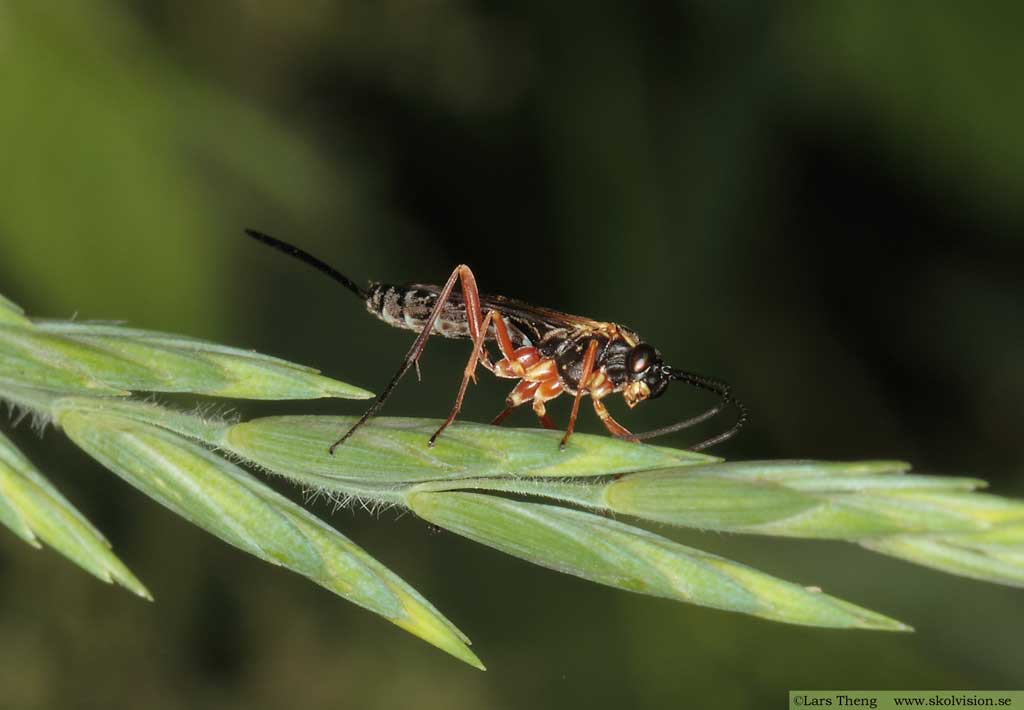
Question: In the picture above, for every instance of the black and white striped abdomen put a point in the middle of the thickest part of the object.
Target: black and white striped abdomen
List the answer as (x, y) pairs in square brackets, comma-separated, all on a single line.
[(409, 307)]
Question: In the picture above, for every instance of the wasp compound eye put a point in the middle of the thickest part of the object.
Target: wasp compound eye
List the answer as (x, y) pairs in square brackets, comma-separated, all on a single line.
[(642, 357)]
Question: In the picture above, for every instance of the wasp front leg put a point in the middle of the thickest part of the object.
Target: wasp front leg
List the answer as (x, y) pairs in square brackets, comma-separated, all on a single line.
[(613, 427), (598, 385)]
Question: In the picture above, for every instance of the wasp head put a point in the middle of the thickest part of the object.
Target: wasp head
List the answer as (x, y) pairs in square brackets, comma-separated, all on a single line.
[(648, 377)]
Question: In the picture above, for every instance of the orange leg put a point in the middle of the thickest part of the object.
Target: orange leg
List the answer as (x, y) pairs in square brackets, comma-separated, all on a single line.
[(518, 363), (546, 422), (508, 351), (548, 390), (589, 358), (501, 335), (613, 427), (502, 415), (523, 393), (479, 351), (471, 297)]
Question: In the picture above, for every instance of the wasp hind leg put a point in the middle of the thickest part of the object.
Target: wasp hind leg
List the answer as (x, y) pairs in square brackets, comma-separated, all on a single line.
[(520, 395), (471, 297), (542, 414), (525, 392), (479, 356)]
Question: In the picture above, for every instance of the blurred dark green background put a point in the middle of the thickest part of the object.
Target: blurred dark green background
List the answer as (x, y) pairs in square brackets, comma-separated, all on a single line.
[(820, 202)]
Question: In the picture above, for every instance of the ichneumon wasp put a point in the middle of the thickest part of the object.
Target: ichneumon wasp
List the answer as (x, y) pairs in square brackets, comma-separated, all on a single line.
[(547, 351)]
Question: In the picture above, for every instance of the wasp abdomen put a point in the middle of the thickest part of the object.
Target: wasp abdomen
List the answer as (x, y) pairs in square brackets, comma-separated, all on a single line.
[(409, 307)]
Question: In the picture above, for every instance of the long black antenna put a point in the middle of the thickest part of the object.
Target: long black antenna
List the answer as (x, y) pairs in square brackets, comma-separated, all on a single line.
[(724, 392), (311, 260)]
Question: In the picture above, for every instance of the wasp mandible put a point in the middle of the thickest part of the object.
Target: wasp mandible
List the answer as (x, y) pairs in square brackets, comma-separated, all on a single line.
[(547, 351)]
